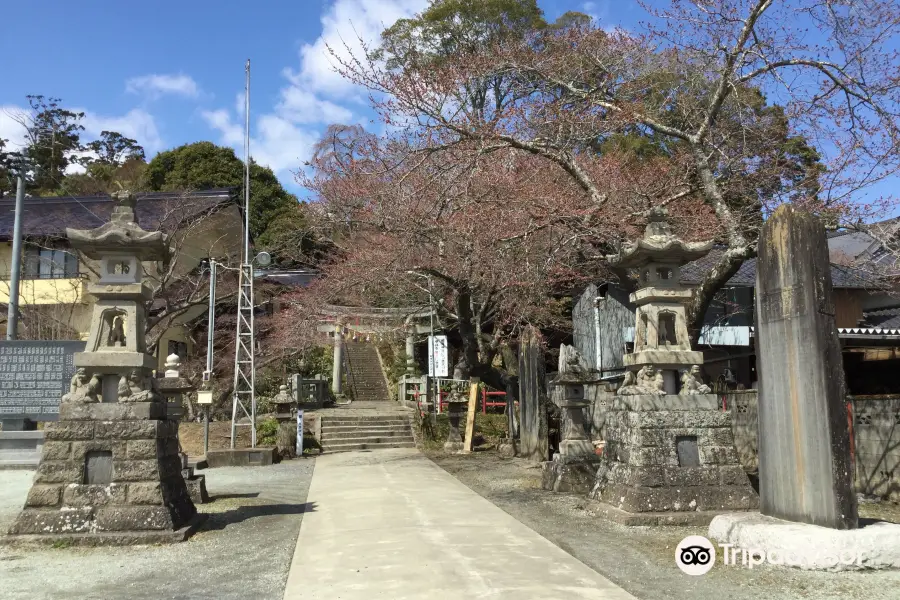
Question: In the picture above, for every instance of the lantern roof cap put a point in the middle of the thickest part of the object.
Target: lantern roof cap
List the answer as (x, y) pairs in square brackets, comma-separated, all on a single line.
[(658, 244)]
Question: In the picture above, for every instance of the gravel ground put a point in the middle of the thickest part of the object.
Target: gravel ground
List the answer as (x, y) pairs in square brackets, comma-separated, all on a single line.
[(642, 559), (244, 549)]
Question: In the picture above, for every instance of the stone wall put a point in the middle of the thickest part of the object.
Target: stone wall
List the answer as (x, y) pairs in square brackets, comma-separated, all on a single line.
[(876, 436), (876, 440)]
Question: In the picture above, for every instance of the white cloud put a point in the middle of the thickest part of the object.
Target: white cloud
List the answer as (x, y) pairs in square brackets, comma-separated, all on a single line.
[(343, 25), (303, 106), (232, 134), (136, 123), (314, 94), (275, 142), (154, 86), (10, 129)]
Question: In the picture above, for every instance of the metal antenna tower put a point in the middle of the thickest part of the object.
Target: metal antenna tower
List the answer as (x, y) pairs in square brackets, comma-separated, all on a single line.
[(243, 402)]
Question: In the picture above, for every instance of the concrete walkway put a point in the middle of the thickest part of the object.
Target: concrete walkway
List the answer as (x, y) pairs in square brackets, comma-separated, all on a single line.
[(392, 524)]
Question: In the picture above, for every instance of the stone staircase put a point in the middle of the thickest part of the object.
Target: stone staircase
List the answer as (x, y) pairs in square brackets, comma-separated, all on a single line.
[(365, 376), (355, 431)]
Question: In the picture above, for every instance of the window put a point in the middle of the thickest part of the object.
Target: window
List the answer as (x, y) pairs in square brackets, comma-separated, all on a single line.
[(49, 263), (666, 330), (179, 348)]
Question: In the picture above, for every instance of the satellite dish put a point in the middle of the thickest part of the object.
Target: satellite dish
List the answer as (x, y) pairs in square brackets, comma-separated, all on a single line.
[(263, 259)]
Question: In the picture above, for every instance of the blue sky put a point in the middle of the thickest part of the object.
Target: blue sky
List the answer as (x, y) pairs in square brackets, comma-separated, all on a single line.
[(169, 73)]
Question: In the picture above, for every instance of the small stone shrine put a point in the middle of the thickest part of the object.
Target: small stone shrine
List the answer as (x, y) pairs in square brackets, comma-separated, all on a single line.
[(110, 471), (668, 458)]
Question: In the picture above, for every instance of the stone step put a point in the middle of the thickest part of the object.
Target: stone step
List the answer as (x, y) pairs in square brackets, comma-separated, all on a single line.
[(364, 422), (364, 427), (365, 439), (366, 446), (345, 435)]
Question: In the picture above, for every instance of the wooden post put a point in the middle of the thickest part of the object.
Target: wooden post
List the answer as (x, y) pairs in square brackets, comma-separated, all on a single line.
[(470, 415), (533, 428)]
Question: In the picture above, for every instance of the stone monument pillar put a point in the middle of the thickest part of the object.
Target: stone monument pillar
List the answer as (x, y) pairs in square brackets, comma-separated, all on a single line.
[(110, 470), (337, 370), (805, 471), (410, 347)]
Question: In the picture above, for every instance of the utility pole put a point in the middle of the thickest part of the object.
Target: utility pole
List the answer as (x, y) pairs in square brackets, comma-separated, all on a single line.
[(243, 402), (12, 314), (210, 334)]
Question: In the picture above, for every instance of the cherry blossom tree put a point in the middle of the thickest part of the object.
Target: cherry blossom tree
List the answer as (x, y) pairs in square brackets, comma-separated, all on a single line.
[(489, 237), (746, 103)]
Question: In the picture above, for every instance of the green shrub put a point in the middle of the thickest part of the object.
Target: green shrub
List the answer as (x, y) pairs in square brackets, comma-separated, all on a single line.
[(267, 432)]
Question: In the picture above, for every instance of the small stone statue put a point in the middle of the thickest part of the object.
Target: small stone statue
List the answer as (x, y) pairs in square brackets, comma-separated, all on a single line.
[(692, 384), (131, 388), (283, 397), (647, 382), (117, 333), (81, 389)]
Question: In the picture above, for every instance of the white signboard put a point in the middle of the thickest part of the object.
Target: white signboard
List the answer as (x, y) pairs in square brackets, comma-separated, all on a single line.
[(204, 397), (438, 356)]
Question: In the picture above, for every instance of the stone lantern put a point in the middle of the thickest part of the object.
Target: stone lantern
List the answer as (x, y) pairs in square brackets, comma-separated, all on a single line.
[(662, 344), (456, 410), (110, 470), (668, 459)]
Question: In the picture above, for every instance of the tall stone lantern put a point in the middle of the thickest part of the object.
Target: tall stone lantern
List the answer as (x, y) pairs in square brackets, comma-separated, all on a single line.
[(669, 457), (110, 472), (662, 344)]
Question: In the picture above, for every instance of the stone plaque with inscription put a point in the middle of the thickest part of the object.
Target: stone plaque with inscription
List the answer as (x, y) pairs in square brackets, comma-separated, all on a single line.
[(33, 377), (805, 470)]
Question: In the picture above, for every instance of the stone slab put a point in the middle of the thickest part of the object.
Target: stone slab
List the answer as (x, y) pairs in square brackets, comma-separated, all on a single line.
[(113, 361), (567, 474), (240, 457), (811, 547), (663, 359), (112, 411), (654, 519), (668, 402), (196, 487), (109, 538), (20, 449)]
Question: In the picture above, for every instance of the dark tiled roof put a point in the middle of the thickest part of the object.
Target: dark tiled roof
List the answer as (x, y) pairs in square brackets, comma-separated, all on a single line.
[(884, 318), (154, 211), (841, 277), (693, 272)]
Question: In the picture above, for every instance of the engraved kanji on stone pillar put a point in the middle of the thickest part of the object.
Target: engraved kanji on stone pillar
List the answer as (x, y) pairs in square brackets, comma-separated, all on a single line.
[(805, 470)]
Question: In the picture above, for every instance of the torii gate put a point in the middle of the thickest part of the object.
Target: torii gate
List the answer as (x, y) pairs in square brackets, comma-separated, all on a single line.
[(343, 322)]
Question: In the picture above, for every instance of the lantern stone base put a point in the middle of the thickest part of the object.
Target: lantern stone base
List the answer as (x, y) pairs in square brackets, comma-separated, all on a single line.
[(453, 446), (111, 479), (109, 538), (669, 454), (570, 473)]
